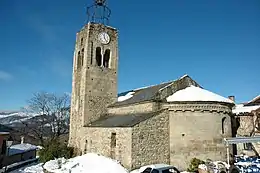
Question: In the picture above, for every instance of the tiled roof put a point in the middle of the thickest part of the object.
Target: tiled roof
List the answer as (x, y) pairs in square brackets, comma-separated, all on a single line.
[(151, 92), (125, 120)]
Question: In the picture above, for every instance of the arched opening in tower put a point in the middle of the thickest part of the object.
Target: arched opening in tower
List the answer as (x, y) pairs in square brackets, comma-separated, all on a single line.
[(106, 58), (98, 56)]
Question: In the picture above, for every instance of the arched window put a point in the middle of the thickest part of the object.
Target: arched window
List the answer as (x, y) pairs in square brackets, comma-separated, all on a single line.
[(82, 57), (79, 60), (98, 56), (106, 58), (223, 125)]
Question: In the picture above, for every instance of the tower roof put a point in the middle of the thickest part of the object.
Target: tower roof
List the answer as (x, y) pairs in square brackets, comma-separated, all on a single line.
[(99, 12)]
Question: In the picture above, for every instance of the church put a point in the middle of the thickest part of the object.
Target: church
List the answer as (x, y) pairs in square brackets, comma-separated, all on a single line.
[(169, 123)]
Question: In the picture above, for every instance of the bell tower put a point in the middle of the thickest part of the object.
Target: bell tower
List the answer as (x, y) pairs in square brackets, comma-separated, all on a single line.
[(94, 83)]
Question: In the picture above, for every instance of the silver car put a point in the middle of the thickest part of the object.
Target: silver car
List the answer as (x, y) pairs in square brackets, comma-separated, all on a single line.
[(160, 168)]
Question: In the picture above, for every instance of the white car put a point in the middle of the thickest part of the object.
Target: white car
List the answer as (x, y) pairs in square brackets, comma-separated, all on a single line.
[(159, 168)]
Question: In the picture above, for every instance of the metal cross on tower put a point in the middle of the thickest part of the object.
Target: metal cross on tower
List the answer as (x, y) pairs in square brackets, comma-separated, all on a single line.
[(99, 12)]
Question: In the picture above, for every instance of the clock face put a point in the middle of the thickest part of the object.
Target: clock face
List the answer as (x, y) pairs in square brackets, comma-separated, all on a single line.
[(104, 38)]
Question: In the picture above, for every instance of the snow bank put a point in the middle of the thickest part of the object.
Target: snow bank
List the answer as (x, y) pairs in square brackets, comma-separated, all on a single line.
[(34, 169), (125, 97), (90, 163), (193, 93)]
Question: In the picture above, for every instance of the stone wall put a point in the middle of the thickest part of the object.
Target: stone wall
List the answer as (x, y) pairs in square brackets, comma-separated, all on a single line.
[(98, 140), (246, 125), (134, 108), (246, 128), (150, 143), (196, 131)]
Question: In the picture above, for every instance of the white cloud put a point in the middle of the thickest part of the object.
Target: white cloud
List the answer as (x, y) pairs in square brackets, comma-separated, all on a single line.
[(5, 76)]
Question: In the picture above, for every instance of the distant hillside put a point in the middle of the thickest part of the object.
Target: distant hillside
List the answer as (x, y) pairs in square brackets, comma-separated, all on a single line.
[(15, 118), (15, 122)]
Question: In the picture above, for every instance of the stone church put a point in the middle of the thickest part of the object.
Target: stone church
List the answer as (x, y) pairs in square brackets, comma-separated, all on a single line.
[(170, 123)]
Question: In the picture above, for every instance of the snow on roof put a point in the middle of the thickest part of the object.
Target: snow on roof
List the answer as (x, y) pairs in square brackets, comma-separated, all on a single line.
[(240, 108), (193, 93), (21, 148), (254, 99), (125, 97), (90, 163)]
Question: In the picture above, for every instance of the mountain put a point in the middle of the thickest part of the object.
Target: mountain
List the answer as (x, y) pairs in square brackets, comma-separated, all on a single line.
[(21, 123), (15, 118)]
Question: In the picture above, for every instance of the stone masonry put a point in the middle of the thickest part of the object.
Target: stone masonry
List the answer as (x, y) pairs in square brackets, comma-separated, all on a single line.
[(197, 130), (150, 141), (89, 102)]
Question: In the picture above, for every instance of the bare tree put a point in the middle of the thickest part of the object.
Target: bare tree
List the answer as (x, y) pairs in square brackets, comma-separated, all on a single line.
[(51, 116)]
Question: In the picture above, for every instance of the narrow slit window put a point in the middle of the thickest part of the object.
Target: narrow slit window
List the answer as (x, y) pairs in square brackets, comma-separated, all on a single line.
[(223, 125), (82, 57), (78, 60), (106, 58), (81, 41), (91, 53), (86, 147), (113, 140), (98, 56)]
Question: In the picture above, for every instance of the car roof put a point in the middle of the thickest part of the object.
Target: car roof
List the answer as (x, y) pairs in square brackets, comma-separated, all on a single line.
[(162, 166)]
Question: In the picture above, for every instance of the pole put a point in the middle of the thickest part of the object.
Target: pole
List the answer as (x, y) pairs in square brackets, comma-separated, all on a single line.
[(227, 154), (7, 157)]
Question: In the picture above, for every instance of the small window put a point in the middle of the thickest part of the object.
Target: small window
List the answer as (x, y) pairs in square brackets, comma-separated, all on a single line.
[(223, 125), (106, 58), (82, 57), (79, 60), (91, 53), (86, 147), (113, 140), (98, 56)]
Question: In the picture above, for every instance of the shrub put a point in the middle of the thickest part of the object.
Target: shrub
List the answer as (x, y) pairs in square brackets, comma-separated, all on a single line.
[(54, 150), (194, 164)]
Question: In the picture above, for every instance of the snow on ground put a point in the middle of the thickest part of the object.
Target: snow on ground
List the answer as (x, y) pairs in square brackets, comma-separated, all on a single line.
[(125, 97), (33, 168), (90, 163), (240, 108), (193, 93)]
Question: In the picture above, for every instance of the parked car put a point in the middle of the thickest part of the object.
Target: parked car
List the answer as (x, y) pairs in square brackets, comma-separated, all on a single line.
[(159, 168)]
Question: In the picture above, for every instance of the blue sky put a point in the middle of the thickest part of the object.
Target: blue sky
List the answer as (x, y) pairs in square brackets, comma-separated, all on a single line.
[(216, 42)]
